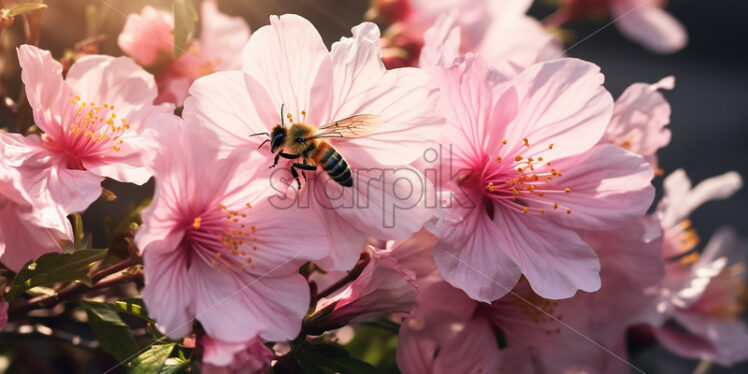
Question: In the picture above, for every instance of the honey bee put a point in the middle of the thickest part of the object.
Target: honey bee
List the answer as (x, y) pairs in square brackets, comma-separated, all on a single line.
[(306, 142)]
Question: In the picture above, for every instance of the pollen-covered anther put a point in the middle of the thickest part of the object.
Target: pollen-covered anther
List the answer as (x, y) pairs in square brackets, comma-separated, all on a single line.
[(197, 222), (490, 187), (567, 190)]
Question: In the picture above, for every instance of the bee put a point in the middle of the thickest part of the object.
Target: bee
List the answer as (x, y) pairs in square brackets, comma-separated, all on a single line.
[(306, 142)]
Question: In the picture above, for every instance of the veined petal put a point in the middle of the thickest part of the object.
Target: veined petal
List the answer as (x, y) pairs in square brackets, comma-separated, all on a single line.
[(42, 76)]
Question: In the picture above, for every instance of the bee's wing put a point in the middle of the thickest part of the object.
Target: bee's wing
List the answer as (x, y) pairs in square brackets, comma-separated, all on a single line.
[(351, 127)]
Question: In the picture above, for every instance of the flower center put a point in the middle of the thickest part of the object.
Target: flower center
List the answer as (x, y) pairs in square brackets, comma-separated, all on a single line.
[(523, 182), (223, 238), (90, 130)]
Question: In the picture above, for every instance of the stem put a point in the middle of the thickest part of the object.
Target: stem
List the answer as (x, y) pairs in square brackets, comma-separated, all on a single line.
[(351, 276), (73, 291), (103, 273), (704, 367)]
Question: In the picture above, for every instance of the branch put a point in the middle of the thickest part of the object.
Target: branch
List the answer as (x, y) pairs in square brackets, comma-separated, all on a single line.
[(75, 290)]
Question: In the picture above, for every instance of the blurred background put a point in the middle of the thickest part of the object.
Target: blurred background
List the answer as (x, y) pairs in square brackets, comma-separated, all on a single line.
[(709, 119)]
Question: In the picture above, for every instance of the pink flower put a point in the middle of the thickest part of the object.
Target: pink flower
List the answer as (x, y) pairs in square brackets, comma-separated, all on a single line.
[(148, 39), (91, 123), (32, 224), (529, 44), (383, 287), (526, 174), (227, 358), (643, 21), (451, 333), (712, 327), (703, 293), (639, 120), (287, 63), (215, 249)]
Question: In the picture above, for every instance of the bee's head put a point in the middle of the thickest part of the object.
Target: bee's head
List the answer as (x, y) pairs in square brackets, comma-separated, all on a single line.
[(277, 137)]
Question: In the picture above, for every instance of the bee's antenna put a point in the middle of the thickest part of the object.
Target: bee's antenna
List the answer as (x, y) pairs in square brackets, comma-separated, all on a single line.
[(282, 122), (259, 133)]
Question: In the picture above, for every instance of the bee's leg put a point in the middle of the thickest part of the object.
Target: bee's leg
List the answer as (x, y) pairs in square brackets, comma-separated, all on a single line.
[(303, 167), (284, 155), (296, 176)]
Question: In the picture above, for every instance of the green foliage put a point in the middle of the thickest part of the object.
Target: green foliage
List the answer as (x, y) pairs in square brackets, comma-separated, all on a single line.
[(152, 360), (134, 307), (55, 267), (113, 334), (376, 343), (185, 18), (321, 357)]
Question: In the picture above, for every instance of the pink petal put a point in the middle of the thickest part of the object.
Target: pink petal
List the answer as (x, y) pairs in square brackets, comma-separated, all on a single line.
[(554, 272), (441, 42), (563, 103), (722, 341), (168, 292), (222, 102), (608, 187), (283, 246), (383, 287), (21, 238), (24, 161), (289, 61), (42, 76), (385, 203), (346, 248), (471, 255), (473, 350), (640, 117), (44, 177), (147, 36), (429, 326), (224, 357), (633, 249), (415, 254), (477, 109), (222, 37), (401, 98), (530, 43), (650, 25), (680, 199), (232, 307), (117, 81)]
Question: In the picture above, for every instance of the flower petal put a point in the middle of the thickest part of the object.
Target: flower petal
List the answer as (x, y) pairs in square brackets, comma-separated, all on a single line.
[(233, 306), (640, 117), (168, 292), (650, 25), (475, 259), (554, 272), (117, 81), (222, 37), (400, 97), (290, 61), (608, 187), (222, 102), (561, 102), (42, 76)]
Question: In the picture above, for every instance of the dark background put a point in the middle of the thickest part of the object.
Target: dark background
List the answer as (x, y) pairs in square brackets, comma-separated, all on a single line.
[(710, 101)]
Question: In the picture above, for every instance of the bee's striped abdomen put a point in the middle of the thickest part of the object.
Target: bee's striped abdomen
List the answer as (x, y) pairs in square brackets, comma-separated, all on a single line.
[(336, 166)]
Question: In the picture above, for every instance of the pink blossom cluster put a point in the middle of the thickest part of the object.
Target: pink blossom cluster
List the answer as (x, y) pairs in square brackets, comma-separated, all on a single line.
[(500, 211)]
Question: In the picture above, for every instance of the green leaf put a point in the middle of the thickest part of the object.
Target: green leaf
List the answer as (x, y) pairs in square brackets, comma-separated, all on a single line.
[(185, 18), (152, 360), (334, 358), (134, 307), (113, 334), (55, 267), (174, 367), (25, 8)]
